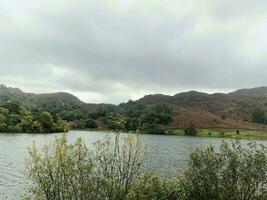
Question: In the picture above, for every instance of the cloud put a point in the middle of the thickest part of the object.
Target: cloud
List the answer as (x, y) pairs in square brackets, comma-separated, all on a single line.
[(111, 51)]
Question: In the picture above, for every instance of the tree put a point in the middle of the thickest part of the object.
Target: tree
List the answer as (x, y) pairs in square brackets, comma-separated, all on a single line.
[(61, 126), (258, 116), (26, 124), (47, 121), (90, 123), (37, 127), (16, 118), (191, 130), (3, 125)]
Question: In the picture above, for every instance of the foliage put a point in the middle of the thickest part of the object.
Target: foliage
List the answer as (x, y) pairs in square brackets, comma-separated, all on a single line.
[(90, 123), (148, 117), (258, 116), (152, 186), (191, 130), (15, 118), (72, 171), (80, 115), (84, 124), (148, 111), (112, 170), (221, 134), (233, 172)]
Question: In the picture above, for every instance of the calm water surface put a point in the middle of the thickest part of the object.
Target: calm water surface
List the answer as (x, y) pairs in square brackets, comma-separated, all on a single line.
[(167, 154)]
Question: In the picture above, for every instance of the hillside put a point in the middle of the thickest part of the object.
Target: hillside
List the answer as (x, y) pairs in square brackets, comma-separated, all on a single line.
[(233, 110), (59, 101)]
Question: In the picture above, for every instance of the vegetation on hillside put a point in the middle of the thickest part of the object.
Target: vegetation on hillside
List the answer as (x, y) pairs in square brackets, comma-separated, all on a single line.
[(148, 118), (15, 118), (154, 113), (116, 170), (259, 116)]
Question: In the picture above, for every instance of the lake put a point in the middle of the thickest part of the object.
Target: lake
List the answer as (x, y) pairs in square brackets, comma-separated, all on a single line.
[(167, 154)]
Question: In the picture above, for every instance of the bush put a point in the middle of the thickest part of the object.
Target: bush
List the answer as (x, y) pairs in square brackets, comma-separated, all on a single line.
[(231, 173), (221, 134), (72, 171), (90, 123), (113, 171), (258, 116), (152, 186), (191, 130)]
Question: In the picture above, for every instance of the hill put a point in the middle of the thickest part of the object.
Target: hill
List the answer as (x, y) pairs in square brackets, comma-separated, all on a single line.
[(234, 110), (65, 105)]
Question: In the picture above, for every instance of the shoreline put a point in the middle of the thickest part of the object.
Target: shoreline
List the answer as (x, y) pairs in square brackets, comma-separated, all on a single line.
[(215, 133), (211, 133)]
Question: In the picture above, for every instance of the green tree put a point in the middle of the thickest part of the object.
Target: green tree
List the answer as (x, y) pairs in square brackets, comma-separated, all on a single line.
[(37, 127), (61, 126), (90, 123), (3, 125), (258, 116), (47, 121), (26, 124), (16, 118), (191, 130), (3, 114)]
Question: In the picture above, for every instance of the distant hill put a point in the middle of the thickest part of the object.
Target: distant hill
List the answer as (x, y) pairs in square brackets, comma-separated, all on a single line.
[(232, 110), (66, 105), (253, 92)]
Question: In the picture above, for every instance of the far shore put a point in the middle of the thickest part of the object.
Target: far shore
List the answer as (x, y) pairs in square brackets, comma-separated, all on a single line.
[(211, 132), (201, 132)]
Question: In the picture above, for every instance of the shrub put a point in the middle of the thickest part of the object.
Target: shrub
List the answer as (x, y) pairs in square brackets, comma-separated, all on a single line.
[(113, 171), (258, 116), (90, 123), (191, 130), (233, 173), (221, 134), (152, 186), (72, 171)]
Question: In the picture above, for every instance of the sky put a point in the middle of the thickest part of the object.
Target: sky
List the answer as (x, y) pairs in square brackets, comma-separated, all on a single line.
[(115, 50)]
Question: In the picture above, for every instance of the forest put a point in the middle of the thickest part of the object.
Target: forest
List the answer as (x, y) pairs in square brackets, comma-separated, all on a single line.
[(16, 118)]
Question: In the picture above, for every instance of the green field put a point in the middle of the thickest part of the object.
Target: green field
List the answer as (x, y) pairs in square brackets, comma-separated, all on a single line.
[(224, 133)]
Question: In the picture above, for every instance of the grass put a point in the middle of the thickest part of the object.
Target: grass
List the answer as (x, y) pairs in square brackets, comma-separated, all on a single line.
[(225, 133)]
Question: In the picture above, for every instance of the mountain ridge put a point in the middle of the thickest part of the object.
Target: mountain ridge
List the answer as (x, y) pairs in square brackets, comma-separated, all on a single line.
[(257, 91), (229, 110)]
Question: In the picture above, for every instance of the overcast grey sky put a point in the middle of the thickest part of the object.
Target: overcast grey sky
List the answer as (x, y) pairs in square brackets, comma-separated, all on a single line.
[(114, 50)]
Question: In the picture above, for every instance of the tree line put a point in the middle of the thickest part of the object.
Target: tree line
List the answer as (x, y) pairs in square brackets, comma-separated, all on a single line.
[(16, 118)]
